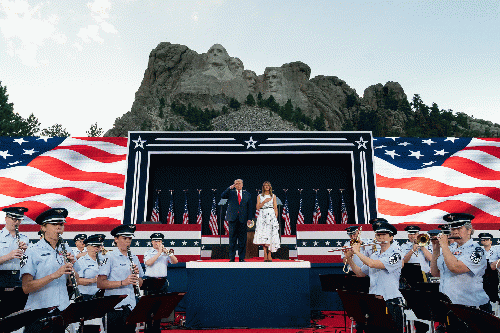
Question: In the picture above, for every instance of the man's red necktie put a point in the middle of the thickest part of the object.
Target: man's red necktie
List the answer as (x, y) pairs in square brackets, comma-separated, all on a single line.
[(239, 197)]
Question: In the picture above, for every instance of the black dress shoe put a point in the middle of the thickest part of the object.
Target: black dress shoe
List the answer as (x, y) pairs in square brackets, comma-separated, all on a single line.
[(242, 260), (231, 260)]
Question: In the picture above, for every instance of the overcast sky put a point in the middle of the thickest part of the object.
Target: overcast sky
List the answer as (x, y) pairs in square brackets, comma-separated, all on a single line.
[(80, 62)]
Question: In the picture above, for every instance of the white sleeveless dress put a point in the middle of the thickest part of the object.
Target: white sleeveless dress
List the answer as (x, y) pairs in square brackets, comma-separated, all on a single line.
[(267, 226)]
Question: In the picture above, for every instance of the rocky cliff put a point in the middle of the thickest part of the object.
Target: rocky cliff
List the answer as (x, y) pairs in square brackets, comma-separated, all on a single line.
[(210, 80)]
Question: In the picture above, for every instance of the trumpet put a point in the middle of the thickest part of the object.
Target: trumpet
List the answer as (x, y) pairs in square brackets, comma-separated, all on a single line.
[(168, 252), (374, 243)]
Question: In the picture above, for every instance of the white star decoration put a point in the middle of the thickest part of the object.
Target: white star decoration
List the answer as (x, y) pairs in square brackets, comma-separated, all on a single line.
[(428, 141), (361, 143), (391, 153), (304, 243), (172, 243), (416, 154), (137, 243), (20, 141), (440, 152), (139, 143), (149, 243), (404, 144), (251, 143), (315, 243), (327, 243), (339, 243), (196, 243), (4, 154), (29, 151), (184, 243), (452, 139)]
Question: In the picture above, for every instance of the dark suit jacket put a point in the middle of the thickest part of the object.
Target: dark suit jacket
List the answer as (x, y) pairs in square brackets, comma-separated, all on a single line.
[(238, 212)]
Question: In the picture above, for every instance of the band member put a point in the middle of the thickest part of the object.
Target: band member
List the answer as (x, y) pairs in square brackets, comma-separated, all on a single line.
[(414, 253), (461, 267), (89, 267), (490, 277), (353, 232), (238, 215), (383, 267), (46, 271), (12, 247), (121, 274), (157, 259), (80, 250)]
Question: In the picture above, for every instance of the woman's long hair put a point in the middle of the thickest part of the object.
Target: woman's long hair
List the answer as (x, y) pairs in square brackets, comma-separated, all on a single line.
[(270, 188)]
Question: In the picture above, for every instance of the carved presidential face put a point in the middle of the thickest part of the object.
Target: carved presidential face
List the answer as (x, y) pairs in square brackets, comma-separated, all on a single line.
[(236, 66), (217, 55), (251, 78), (273, 80)]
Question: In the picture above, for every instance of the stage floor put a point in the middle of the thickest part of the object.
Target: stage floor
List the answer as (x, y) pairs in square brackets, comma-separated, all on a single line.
[(252, 294)]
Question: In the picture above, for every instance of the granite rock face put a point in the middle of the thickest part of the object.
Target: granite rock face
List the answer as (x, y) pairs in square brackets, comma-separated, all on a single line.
[(211, 79)]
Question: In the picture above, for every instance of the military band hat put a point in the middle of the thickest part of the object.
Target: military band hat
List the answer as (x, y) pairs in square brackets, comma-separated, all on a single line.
[(126, 230), (80, 237), (485, 235), (445, 229), (378, 219), (456, 220), (94, 240), (412, 229), (15, 212), (384, 227), (351, 230), (157, 236), (53, 215), (434, 232)]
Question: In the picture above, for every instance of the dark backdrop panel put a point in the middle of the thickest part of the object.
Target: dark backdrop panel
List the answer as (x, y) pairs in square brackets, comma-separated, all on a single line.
[(190, 172)]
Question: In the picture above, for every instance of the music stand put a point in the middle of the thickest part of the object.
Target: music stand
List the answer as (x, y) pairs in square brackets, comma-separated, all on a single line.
[(477, 320), (412, 274), (18, 319), (153, 285), (427, 305), (154, 307), (369, 310), (93, 308), (334, 282)]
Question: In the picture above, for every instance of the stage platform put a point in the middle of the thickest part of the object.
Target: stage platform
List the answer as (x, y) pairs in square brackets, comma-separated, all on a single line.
[(252, 294)]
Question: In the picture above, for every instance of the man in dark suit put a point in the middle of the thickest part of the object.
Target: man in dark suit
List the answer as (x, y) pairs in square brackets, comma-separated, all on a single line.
[(238, 215)]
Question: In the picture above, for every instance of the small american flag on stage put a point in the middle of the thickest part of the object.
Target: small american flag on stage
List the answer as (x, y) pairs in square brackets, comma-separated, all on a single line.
[(185, 215), (300, 217), (420, 180), (286, 217), (317, 211), (155, 213), (214, 228), (199, 216), (330, 217), (84, 175), (170, 215), (343, 208)]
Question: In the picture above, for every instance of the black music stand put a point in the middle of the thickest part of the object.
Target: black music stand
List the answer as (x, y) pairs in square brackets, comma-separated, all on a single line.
[(153, 285), (368, 310), (427, 305), (412, 274), (18, 319), (154, 307), (93, 308), (477, 320)]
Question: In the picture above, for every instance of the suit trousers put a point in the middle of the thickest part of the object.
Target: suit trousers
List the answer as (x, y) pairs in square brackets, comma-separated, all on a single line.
[(237, 239)]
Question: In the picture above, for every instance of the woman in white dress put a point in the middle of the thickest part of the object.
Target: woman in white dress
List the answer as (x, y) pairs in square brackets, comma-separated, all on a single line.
[(267, 226)]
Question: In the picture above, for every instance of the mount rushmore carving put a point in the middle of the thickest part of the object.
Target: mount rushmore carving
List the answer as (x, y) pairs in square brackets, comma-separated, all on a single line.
[(211, 79)]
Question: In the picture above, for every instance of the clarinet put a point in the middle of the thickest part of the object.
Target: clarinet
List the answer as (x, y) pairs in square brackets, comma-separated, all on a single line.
[(136, 286), (24, 258), (72, 278)]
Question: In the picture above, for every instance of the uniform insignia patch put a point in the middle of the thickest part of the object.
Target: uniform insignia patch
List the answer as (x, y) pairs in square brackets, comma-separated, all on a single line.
[(394, 259), (477, 255)]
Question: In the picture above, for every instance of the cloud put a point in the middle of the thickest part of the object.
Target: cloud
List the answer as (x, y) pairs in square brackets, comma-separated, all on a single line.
[(99, 10), (26, 28)]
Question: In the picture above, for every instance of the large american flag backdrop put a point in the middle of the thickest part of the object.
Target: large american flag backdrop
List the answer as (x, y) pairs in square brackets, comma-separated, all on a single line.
[(417, 180)]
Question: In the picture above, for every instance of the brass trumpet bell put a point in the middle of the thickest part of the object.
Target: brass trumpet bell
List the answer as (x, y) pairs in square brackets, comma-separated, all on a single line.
[(423, 240)]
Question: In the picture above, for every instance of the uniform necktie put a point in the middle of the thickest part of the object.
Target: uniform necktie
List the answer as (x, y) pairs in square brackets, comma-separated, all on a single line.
[(239, 197)]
